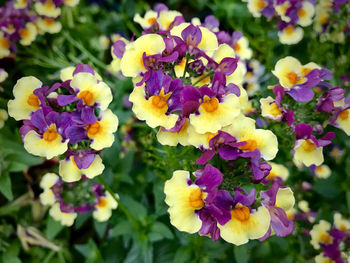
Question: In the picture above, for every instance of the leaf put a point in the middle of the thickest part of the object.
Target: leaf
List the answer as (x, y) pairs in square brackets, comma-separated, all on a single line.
[(182, 255), (326, 187), (241, 253), (90, 251), (161, 230), (122, 228), (136, 209), (6, 186), (52, 228), (100, 228)]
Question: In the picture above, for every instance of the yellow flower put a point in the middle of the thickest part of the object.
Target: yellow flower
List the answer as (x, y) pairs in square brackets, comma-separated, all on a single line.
[(245, 225), (307, 153), (4, 46), (213, 115), (152, 110), (132, 61), (265, 141), (3, 117), (322, 259), (343, 121), (305, 13), (101, 132), (70, 172), (25, 101), (341, 223), (48, 9), (28, 34), (183, 200), (71, 3), (48, 180), (173, 138), (278, 170), (48, 24), (269, 109), (91, 91), (66, 219), (49, 145), (104, 207), (256, 6), (290, 35), (319, 234), (323, 171)]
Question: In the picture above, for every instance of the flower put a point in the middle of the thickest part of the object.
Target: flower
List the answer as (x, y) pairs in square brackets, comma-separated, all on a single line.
[(103, 209), (46, 136), (47, 8), (291, 35), (70, 172), (25, 101), (66, 219), (28, 34), (3, 117), (47, 181), (4, 45), (341, 223), (319, 234), (278, 170)]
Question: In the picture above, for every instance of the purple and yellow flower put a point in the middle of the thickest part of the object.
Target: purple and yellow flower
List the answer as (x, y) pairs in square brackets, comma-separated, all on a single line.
[(132, 63), (65, 218), (71, 172), (5, 45), (46, 136), (245, 223), (47, 24), (103, 209), (25, 101), (47, 181), (47, 8), (320, 234)]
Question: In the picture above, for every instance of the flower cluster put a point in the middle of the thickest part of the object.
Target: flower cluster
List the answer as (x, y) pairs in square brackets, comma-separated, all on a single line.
[(3, 113), (297, 84), (70, 119), (189, 81), (68, 199), (331, 239), (200, 206), (332, 20), (290, 15), (22, 20)]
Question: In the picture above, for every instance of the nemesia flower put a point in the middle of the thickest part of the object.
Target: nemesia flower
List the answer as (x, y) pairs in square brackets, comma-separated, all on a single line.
[(103, 209), (47, 181), (70, 172), (245, 223), (319, 234), (322, 259), (46, 138), (279, 200), (291, 35), (305, 13), (25, 101), (71, 3), (4, 46), (48, 24), (322, 171), (341, 223), (28, 34), (278, 170), (47, 8), (66, 219), (270, 110), (307, 148), (3, 75)]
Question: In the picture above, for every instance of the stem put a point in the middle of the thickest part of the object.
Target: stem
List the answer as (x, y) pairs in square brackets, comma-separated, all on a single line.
[(204, 77), (185, 70), (84, 51), (120, 205)]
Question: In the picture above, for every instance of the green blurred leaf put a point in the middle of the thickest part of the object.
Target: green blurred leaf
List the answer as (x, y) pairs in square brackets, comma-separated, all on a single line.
[(100, 228), (136, 209), (6, 186), (90, 251), (241, 253), (160, 231), (52, 228)]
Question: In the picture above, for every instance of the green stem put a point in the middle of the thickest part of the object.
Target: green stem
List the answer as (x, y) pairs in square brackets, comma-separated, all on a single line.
[(204, 77), (84, 51)]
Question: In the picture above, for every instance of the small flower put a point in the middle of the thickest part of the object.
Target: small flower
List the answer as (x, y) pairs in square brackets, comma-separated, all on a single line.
[(48, 24), (71, 3), (66, 219), (25, 101), (270, 110), (278, 170), (319, 234), (290, 35), (28, 34), (47, 181), (70, 172), (3, 117), (47, 8), (322, 171), (103, 208), (341, 223), (4, 46), (305, 13)]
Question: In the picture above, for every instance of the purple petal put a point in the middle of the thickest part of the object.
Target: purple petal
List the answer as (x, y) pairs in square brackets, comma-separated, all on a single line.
[(119, 48), (88, 115), (301, 94), (303, 130), (208, 177), (76, 134), (64, 100), (280, 223), (83, 159), (206, 156), (83, 68)]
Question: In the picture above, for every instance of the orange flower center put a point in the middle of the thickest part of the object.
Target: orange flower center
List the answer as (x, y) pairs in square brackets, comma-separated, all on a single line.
[(275, 110), (292, 77), (195, 199), (305, 71), (5, 44), (325, 238), (237, 47), (210, 104), (261, 4), (241, 213), (24, 33), (101, 203), (343, 228), (33, 100), (93, 129), (49, 4), (250, 146), (344, 115), (49, 21), (319, 169), (301, 12), (159, 102), (51, 134), (289, 30), (87, 97), (271, 175), (308, 145), (151, 20)]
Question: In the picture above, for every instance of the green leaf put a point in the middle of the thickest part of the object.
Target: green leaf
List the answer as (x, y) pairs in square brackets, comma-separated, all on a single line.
[(122, 228), (100, 228), (241, 253), (90, 251), (52, 228), (182, 255), (6, 186), (136, 209), (162, 230)]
